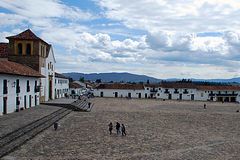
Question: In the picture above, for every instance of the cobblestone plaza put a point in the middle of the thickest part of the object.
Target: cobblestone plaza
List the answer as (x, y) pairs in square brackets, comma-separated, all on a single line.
[(155, 130)]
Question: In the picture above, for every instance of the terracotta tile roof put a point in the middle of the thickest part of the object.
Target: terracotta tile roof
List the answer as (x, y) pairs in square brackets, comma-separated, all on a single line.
[(58, 75), (219, 87), (121, 86), (26, 35), (3, 50), (152, 85), (178, 85), (74, 85), (8, 67)]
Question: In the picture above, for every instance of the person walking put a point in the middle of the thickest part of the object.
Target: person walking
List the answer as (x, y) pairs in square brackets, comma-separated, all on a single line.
[(123, 130), (118, 127), (55, 126), (204, 106), (89, 105), (110, 127)]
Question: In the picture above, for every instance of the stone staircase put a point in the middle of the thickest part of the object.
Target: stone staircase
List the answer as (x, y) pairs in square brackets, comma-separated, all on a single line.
[(82, 105)]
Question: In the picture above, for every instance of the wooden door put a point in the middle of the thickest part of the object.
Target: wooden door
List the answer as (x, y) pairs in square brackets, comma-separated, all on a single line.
[(25, 102), (139, 95), (30, 101), (4, 105)]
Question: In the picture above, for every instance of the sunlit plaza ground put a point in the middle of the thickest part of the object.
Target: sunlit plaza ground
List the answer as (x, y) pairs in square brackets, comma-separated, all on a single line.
[(155, 130)]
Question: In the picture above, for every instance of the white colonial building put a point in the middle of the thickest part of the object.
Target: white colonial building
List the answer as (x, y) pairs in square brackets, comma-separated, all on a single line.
[(61, 85), (47, 91), (28, 49), (177, 91), (120, 90), (75, 89), (19, 87), (171, 91)]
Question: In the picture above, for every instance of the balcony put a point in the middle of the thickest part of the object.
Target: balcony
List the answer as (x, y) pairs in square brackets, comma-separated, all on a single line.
[(37, 89), (176, 92), (18, 89), (185, 92), (167, 92), (153, 90)]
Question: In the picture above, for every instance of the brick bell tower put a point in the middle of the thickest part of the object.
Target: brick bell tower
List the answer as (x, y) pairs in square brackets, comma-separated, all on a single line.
[(28, 49)]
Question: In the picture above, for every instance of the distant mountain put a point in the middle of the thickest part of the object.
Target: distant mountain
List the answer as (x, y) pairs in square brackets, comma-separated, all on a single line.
[(231, 80), (128, 77), (115, 77)]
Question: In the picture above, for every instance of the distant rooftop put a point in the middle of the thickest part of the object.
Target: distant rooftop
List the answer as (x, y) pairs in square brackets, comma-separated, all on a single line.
[(168, 85), (121, 86), (60, 75), (74, 85)]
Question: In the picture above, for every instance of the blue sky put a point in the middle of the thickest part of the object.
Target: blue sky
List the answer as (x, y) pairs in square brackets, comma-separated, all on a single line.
[(160, 38)]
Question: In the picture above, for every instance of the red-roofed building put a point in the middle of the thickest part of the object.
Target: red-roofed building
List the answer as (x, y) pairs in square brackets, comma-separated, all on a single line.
[(28, 49), (75, 89), (200, 92), (172, 91), (120, 90), (61, 85), (20, 87), (26, 58)]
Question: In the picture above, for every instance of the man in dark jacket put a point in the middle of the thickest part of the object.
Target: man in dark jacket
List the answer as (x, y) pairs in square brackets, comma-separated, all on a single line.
[(55, 125), (118, 127), (110, 127), (123, 130)]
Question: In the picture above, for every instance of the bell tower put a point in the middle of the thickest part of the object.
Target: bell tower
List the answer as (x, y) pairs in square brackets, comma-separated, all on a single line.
[(28, 49)]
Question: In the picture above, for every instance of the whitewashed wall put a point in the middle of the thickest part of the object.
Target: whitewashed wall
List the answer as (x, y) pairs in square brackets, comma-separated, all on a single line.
[(61, 87), (238, 97), (176, 96), (77, 91), (202, 95), (11, 95), (147, 91), (199, 95), (46, 72), (120, 92)]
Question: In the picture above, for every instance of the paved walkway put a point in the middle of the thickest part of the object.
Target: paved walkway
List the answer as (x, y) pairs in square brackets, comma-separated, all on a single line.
[(61, 101), (16, 120)]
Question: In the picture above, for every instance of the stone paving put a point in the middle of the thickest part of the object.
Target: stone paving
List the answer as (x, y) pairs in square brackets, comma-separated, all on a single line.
[(61, 101), (13, 121), (156, 129)]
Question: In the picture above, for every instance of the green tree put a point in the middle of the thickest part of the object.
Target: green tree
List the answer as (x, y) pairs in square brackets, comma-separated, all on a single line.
[(81, 79), (98, 80)]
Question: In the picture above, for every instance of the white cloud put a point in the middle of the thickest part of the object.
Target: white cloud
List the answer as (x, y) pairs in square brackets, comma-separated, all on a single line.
[(10, 19), (168, 44), (45, 9), (188, 42), (190, 16)]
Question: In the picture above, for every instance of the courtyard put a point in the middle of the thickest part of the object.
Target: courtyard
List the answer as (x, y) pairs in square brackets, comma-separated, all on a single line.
[(155, 130)]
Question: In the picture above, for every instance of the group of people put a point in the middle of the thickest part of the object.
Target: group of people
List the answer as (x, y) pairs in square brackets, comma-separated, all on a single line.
[(119, 128)]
